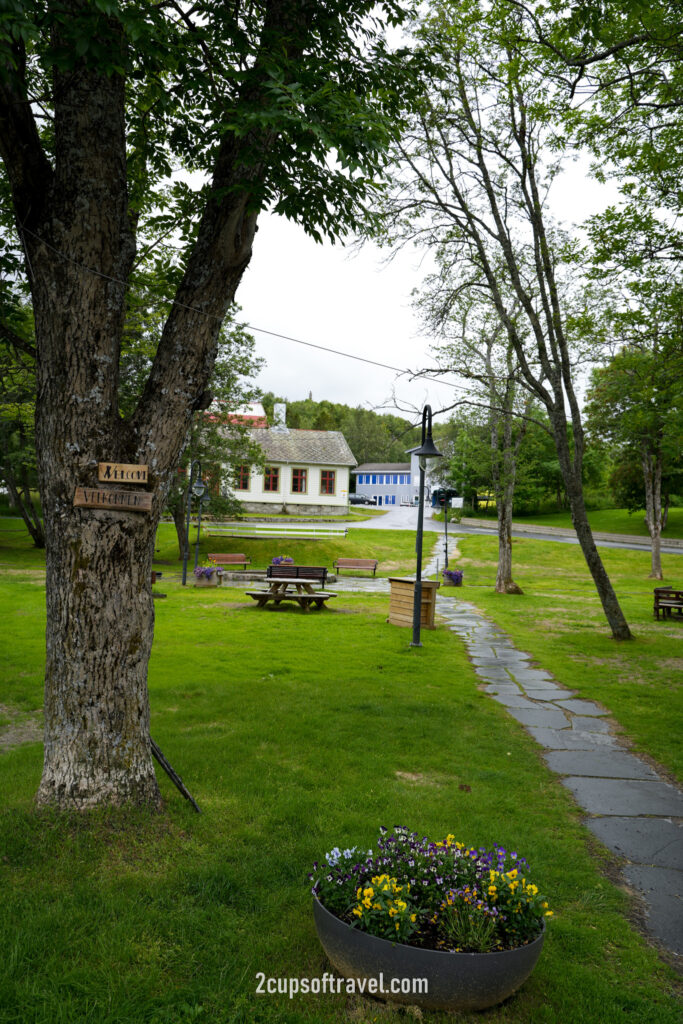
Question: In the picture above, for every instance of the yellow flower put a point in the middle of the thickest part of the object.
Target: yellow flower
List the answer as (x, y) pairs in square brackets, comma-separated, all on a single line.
[(413, 916), (357, 911), (548, 913)]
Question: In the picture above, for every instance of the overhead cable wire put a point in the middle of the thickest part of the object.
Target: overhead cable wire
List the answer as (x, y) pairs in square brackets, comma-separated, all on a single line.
[(414, 374)]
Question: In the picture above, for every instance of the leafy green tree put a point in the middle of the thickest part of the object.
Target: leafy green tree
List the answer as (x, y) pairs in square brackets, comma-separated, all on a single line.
[(17, 407), (635, 403), (371, 436), (475, 166), (107, 110)]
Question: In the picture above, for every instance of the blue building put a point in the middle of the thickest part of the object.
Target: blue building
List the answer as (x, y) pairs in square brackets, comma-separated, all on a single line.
[(390, 483)]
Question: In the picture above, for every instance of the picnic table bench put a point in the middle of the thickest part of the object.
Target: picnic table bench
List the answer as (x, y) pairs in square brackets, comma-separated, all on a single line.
[(356, 563), (230, 559), (316, 573), (668, 600), (291, 588)]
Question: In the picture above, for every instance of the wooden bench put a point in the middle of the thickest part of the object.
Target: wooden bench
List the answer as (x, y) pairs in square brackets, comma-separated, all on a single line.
[(317, 573), (230, 559), (668, 600), (356, 563)]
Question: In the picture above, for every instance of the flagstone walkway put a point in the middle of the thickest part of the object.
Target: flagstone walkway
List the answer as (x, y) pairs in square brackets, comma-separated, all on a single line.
[(633, 811)]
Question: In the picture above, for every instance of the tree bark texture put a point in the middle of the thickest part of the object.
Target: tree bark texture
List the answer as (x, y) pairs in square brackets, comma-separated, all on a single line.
[(73, 218), (652, 477)]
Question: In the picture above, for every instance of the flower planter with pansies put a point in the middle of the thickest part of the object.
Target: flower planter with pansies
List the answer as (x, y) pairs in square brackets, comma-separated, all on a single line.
[(458, 928)]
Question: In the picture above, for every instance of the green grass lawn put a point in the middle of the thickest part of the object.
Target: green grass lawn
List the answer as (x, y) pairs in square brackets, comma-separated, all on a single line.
[(393, 549), (608, 520), (559, 620), (295, 733)]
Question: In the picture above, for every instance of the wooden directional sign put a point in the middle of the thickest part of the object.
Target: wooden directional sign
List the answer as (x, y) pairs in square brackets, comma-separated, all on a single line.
[(124, 501), (120, 473)]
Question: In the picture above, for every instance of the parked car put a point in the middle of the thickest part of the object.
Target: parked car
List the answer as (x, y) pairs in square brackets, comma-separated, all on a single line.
[(361, 499)]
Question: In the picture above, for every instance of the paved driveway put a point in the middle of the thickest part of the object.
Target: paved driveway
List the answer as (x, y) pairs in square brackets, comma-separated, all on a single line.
[(405, 518)]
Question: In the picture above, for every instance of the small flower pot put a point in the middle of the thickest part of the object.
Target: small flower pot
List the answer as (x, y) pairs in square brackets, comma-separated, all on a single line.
[(206, 581), (454, 981)]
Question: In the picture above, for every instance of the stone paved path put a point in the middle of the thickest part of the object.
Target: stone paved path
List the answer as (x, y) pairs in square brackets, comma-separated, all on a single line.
[(633, 811)]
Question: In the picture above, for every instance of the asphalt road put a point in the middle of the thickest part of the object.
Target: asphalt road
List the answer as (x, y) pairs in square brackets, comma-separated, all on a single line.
[(405, 518)]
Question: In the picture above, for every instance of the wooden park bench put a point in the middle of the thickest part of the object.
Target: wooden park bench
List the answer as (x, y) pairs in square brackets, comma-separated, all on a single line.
[(668, 600), (315, 573), (230, 559), (356, 563)]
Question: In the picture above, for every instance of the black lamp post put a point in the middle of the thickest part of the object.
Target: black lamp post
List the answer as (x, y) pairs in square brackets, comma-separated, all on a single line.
[(427, 450), (197, 488)]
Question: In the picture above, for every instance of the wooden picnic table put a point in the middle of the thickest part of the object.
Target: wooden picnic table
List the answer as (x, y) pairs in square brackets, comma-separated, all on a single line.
[(283, 588)]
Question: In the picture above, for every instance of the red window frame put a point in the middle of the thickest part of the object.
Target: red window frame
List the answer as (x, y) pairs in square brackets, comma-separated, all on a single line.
[(243, 478), (328, 481), (299, 481), (271, 479)]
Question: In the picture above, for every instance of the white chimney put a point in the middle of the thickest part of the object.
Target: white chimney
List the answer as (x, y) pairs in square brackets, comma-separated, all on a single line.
[(280, 418)]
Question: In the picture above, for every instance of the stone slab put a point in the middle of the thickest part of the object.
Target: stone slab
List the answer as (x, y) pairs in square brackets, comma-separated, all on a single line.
[(610, 764), (495, 675), (514, 700), (503, 688), (584, 724), (569, 739), (662, 890), (582, 707), (540, 718), (625, 797), (547, 696), (546, 692), (528, 676), (656, 842)]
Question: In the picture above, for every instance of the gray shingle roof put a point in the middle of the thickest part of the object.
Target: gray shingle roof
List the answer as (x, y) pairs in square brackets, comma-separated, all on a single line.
[(383, 467), (316, 447)]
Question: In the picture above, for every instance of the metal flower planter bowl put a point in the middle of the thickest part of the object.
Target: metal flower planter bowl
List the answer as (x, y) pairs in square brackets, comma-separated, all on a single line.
[(455, 981)]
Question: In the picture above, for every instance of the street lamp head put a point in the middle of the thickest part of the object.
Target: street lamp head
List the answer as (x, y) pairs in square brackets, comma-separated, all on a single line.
[(198, 488), (427, 449)]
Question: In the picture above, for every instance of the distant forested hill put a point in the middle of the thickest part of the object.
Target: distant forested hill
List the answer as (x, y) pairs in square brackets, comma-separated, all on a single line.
[(371, 436)]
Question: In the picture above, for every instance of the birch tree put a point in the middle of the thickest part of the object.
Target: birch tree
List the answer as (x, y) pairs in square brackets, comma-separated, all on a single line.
[(475, 167)]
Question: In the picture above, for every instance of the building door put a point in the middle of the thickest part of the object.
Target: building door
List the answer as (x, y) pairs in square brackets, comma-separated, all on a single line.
[(379, 499)]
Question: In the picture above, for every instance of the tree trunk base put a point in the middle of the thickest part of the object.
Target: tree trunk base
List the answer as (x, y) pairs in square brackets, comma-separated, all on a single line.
[(508, 588), (112, 791)]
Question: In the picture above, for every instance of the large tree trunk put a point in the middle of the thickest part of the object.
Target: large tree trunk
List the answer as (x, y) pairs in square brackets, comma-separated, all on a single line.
[(652, 476), (99, 606), (179, 517), (504, 474), (571, 472)]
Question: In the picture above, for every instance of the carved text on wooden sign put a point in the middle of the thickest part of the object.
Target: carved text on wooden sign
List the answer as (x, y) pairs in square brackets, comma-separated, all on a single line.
[(126, 501), (120, 473)]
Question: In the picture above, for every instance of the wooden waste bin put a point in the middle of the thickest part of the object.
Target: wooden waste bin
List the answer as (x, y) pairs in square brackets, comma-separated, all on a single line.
[(401, 601)]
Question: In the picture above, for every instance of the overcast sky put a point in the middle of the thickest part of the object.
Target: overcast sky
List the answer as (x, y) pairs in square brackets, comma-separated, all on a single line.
[(354, 302)]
